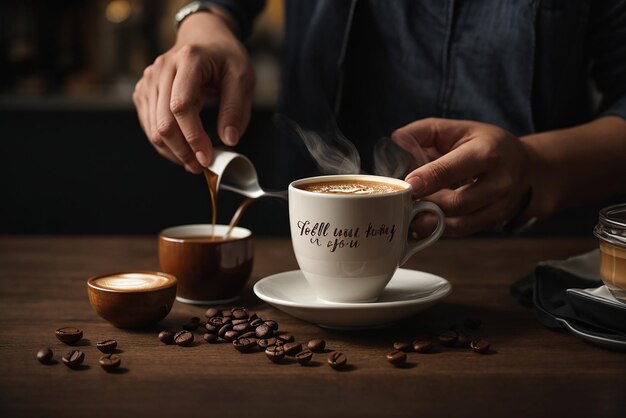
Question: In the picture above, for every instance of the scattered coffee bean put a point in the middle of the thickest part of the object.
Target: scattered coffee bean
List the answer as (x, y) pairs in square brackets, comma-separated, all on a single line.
[(219, 321), (286, 338), (275, 353), (480, 346), (337, 360), (211, 329), (397, 358), (69, 335), (402, 346), (239, 313), (304, 357), (266, 342), (166, 337), (463, 340), (44, 355), (422, 346), (253, 317), (245, 327), (231, 335), (240, 321), (272, 324), (264, 331), (472, 323), (316, 346), (244, 345), (256, 322), (110, 362), (447, 338), (224, 329), (211, 312), (107, 346), (183, 338), (292, 348), (73, 359), (210, 338), (227, 313), (249, 334)]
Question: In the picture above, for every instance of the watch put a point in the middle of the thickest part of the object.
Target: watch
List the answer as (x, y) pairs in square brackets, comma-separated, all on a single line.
[(189, 9)]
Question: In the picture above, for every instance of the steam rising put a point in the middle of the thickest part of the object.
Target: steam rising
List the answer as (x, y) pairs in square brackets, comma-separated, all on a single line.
[(340, 156)]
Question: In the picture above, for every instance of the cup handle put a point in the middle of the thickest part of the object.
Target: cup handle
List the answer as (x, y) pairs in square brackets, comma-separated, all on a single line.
[(414, 246)]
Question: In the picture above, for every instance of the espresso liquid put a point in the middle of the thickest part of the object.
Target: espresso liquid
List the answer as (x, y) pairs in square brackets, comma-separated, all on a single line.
[(613, 265), (351, 187)]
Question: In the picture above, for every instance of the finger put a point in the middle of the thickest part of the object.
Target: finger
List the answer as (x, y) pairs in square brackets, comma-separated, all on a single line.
[(235, 103), (442, 134), (167, 127), (469, 198), (468, 161), (185, 104)]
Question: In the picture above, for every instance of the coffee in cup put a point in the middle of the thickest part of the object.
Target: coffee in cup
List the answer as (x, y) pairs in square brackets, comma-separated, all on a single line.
[(211, 264), (351, 232)]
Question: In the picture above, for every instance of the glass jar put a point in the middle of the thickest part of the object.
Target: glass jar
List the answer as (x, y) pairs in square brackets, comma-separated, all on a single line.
[(611, 231)]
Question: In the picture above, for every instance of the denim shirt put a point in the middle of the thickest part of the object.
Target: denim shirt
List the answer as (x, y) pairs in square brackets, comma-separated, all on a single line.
[(368, 67)]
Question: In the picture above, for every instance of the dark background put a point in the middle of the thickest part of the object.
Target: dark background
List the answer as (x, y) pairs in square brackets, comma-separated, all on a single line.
[(73, 159)]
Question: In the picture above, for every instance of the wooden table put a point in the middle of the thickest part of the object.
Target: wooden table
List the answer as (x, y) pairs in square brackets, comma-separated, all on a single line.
[(535, 371)]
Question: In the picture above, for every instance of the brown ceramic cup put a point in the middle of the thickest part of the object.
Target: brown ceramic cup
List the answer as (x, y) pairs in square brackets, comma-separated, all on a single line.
[(210, 269), (132, 299)]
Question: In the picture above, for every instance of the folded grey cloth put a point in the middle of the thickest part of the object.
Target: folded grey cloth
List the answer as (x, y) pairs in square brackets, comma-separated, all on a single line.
[(571, 294)]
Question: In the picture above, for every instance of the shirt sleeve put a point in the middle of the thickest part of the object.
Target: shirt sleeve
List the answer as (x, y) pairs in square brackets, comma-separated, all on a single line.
[(608, 54), (243, 11)]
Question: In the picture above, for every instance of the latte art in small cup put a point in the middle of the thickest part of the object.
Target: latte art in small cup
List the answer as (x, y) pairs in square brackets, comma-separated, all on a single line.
[(350, 233)]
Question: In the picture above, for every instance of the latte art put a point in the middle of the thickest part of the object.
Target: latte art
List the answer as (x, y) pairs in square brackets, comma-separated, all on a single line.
[(131, 281), (351, 187)]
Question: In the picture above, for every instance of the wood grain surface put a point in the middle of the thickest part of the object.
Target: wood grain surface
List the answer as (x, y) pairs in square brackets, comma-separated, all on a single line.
[(534, 372)]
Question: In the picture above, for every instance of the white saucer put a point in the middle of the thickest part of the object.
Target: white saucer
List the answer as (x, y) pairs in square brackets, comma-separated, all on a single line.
[(408, 292)]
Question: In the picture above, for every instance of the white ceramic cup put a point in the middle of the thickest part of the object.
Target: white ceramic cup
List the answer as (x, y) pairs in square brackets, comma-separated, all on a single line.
[(348, 246)]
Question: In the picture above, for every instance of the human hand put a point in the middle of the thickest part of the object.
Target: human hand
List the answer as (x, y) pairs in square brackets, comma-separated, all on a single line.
[(206, 60), (479, 173)]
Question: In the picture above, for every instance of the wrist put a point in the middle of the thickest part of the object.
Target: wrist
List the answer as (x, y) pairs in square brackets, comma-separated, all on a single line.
[(542, 201)]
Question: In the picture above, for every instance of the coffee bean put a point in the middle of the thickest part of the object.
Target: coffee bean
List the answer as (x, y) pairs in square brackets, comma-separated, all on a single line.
[(480, 346), (256, 322), (239, 313), (69, 335), (337, 360), (272, 324), (292, 348), (266, 342), (224, 329), (287, 338), (211, 329), (275, 353), (73, 359), (211, 312), (447, 338), (244, 345), (44, 355), (264, 331), (249, 334), (110, 362), (397, 358), (402, 346), (183, 338), (472, 323), (231, 335), (219, 321), (226, 313), (304, 356), (253, 317), (463, 340), (166, 337), (210, 338), (190, 326), (107, 346), (422, 346), (240, 321), (316, 346), (245, 327)]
